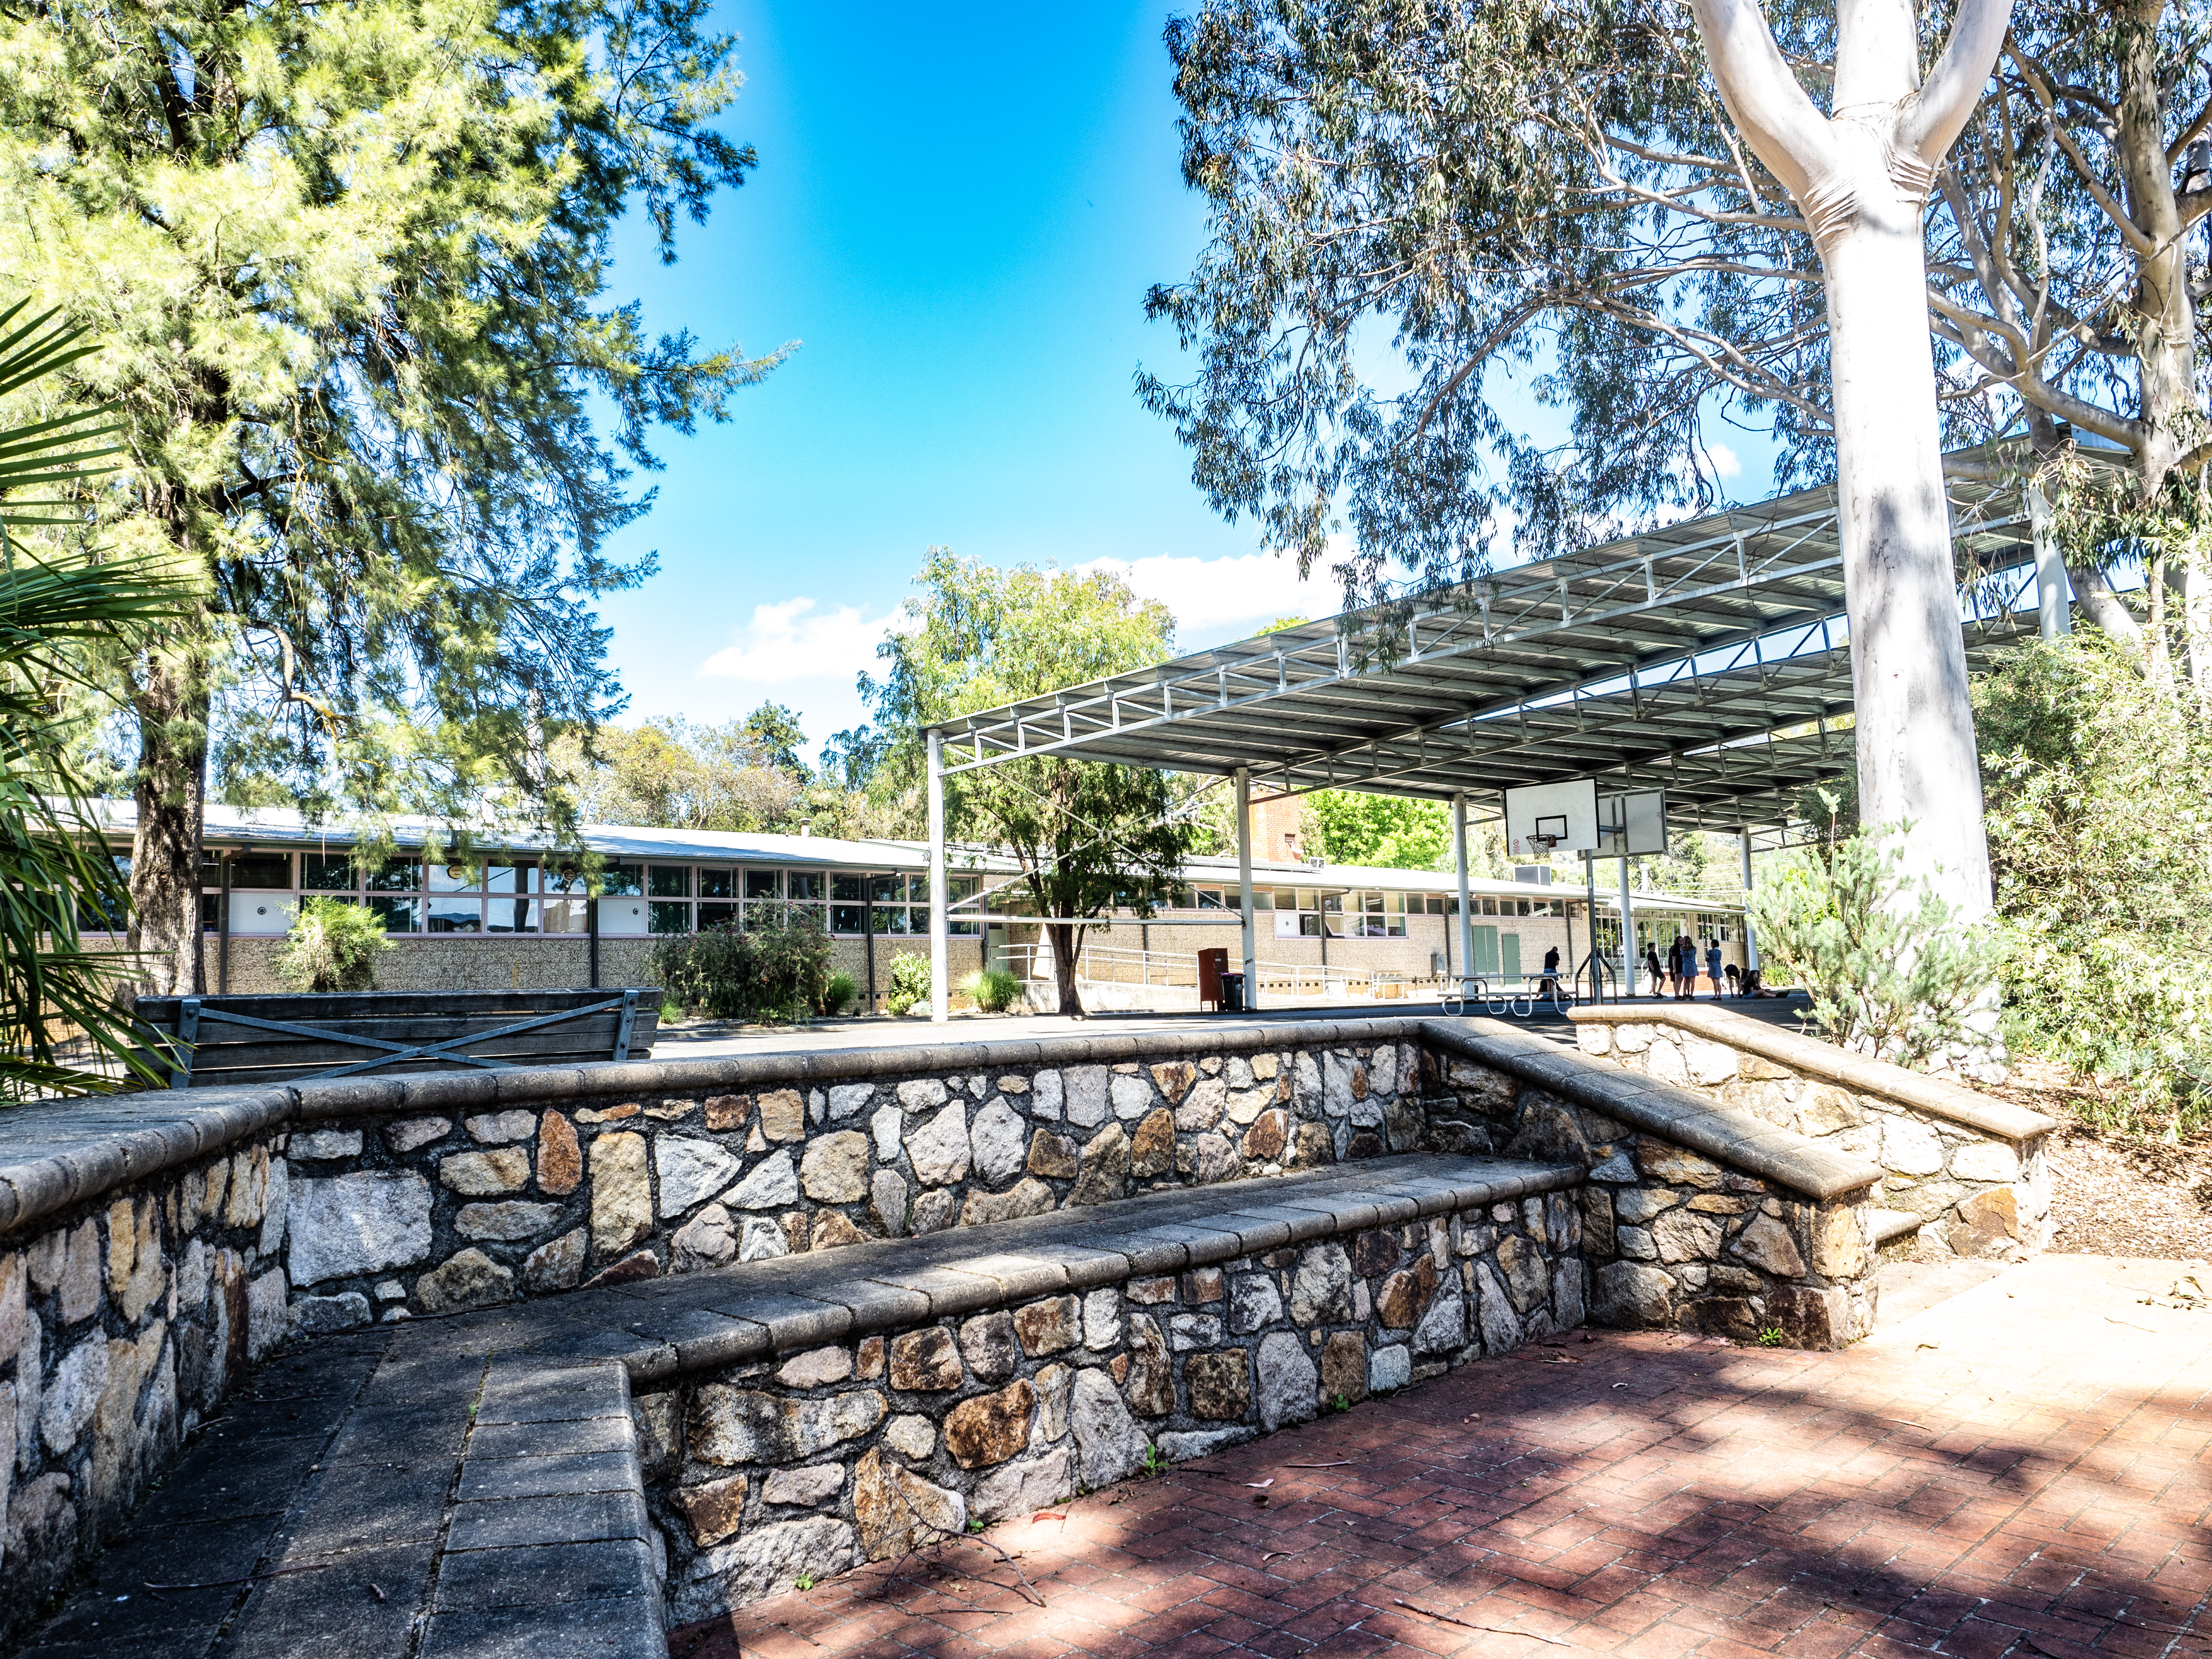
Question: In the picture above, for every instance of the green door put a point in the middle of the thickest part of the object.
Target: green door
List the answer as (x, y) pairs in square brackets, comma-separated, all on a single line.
[(1510, 944), (1486, 950)]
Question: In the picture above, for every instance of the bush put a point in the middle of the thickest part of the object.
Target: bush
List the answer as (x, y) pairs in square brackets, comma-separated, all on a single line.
[(333, 946), (993, 990), (2096, 777), (909, 986), (1891, 969), (839, 993), (775, 966)]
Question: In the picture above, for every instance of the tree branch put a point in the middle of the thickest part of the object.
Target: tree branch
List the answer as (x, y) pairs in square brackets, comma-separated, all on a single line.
[(1941, 108), (1780, 123)]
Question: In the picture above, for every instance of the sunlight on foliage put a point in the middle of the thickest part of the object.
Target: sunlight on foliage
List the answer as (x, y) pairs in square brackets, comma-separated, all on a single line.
[(2098, 788), (1891, 969)]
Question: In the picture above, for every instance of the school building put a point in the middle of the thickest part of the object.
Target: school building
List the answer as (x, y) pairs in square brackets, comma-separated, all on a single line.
[(515, 914)]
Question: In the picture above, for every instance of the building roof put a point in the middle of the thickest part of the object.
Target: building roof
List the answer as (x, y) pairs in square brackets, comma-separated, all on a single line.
[(274, 828), (1666, 660)]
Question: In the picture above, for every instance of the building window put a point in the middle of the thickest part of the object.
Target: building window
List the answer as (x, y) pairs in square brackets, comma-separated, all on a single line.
[(966, 923), (400, 914), (763, 884), (94, 918), (271, 870), (669, 881), (665, 917), (717, 882), (565, 909), (323, 873), (623, 881)]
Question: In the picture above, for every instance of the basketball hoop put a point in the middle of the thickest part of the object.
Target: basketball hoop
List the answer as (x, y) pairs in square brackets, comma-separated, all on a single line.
[(1539, 845)]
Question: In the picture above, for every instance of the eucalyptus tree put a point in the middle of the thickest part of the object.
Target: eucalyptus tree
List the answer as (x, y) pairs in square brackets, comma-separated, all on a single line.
[(1653, 218), (349, 265), (2069, 290)]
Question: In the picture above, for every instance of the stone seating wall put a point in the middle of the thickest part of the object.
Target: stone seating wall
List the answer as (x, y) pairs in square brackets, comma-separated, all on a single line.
[(1962, 1172), (154, 1247)]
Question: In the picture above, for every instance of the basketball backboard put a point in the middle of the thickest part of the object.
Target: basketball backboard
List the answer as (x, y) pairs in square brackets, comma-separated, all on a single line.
[(1552, 817), (1632, 826)]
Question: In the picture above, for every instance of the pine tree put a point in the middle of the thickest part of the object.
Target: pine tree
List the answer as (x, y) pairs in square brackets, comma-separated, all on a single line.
[(348, 264)]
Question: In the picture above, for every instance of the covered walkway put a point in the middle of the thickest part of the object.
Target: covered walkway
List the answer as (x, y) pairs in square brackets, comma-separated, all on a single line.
[(1709, 659)]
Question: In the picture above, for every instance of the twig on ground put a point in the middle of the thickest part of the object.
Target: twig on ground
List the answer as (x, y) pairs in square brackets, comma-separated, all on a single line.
[(1501, 1629), (250, 1578), (946, 1535), (1341, 1463)]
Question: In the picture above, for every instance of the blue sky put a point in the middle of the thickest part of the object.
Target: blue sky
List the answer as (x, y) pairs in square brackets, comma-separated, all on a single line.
[(956, 213)]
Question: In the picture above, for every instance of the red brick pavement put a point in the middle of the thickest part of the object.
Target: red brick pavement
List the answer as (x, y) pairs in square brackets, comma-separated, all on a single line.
[(2020, 1471)]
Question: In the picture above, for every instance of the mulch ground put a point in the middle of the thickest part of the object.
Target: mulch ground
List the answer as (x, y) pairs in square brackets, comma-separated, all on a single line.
[(2020, 1471), (2112, 1195)]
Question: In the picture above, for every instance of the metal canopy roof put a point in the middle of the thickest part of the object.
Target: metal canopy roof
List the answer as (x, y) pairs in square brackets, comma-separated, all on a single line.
[(1663, 660)]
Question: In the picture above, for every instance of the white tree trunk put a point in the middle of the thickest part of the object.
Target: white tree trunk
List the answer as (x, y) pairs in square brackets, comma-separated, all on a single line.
[(2054, 614), (1861, 178), (1918, 763)]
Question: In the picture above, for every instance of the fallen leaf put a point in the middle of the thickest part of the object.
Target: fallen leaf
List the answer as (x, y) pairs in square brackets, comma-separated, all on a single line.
[(1047, 1514), (1255, 1485)]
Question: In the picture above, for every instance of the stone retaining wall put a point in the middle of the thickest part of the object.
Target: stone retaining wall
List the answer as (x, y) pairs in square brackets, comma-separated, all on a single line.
[(435, 1212), (815, 1462), (151, 1246), (1703, 1224), (122, 1324), (1969, 1168)]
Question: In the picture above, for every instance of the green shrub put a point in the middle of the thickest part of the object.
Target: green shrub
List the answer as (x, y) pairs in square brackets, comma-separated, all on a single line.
[(1890, 968), (909, 986), (840, 993), (775, 966), (333, 946), (993, 990), (2096, 776)]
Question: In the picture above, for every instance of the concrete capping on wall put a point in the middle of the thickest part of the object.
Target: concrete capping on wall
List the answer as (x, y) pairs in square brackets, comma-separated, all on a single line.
[(1831, 1063), (1728, 1137), (78, 1151)]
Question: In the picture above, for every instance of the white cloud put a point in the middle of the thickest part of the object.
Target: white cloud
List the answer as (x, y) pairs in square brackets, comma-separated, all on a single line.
[(1723, 460), (795, 641), (1217, 599)]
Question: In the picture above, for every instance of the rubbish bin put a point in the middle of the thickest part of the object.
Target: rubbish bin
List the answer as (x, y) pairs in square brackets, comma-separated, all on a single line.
[(1232, 994)]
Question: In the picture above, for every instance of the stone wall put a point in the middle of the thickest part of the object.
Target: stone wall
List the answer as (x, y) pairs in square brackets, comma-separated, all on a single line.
[(428, 1212), (815, 1462), (123, 1322), (1968, 1169), (151, 1246), (1708, 1222)]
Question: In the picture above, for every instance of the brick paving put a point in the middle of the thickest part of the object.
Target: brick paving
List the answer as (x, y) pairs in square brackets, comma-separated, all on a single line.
[(2020, 1470)]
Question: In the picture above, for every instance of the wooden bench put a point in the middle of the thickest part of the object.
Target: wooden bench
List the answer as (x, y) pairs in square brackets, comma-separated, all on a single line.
[(209, 1041)]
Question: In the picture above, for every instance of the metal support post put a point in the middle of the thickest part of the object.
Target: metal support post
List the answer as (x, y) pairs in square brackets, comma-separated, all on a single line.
[(940, 885), (1590, 880), (1466, 922), (1750, 944), (223, 948), (1627, 935), (1245, 885)]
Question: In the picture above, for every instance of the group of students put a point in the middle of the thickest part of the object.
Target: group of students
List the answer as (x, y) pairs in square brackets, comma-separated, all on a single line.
[(1680, 970)]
